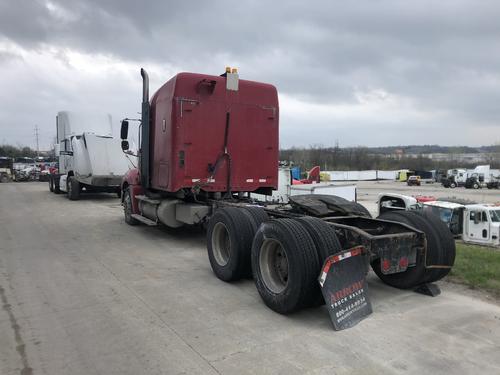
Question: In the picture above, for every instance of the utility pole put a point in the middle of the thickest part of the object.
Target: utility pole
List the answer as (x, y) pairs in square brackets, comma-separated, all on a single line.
[(37, 144)]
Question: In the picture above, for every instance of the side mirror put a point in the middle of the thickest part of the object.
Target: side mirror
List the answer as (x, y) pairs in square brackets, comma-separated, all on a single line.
[(124, 131), (125, 145)]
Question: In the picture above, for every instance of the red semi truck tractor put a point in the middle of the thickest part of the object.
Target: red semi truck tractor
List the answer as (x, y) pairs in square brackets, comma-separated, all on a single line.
[(206, 143)]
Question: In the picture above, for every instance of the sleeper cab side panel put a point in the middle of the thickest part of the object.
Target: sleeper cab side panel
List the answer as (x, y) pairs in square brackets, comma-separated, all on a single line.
[(161, 135)]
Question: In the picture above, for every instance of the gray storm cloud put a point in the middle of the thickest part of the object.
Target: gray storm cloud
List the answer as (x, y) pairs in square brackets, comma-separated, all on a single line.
[(363, 73)]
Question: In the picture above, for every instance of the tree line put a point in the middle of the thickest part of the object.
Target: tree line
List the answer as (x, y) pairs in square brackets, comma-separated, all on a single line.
[(17, 151), (336, 158), (363, 158)]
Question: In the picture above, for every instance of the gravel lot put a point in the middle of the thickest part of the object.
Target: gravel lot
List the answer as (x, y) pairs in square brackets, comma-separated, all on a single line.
[(83, 293)]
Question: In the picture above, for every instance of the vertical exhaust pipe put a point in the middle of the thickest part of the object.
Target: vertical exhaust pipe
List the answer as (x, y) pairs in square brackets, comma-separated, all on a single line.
[(145, 133), (145, 86)]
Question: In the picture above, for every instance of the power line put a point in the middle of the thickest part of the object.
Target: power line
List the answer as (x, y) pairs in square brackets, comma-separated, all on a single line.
[(37, 144)]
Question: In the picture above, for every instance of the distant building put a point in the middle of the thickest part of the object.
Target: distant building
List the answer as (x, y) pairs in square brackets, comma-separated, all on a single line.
[(462, 158), (399, 153)]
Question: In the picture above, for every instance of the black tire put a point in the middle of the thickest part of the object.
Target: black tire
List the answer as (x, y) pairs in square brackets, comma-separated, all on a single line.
[(51, 184), (453, 185), (57, 189), (324, 237), (447, 245), (73, 189), (417, 274), (475, 185), (362, 209), (320, 205), (285, 265), (258, 214), (127, 208), (229, 243), (326, 243), (435, 253)]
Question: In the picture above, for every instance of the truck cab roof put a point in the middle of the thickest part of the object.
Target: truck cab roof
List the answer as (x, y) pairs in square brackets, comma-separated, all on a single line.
[(444, 204), (486, 206)]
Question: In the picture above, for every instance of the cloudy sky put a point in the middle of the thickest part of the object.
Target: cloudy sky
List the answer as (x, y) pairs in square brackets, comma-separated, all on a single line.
[(370, 73)]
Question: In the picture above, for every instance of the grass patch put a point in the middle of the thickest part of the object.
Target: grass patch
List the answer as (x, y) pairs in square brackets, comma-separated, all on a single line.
[(478, 267)]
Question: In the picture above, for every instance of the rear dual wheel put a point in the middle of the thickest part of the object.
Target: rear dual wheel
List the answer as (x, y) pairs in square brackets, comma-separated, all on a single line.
[(229, 240), (326, 243), (285, 256), (285, 266)]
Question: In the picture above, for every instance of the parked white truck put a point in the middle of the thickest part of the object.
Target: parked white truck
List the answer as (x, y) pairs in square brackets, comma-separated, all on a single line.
[(90, 159), (473, 223), (454, 178), (6, 170)]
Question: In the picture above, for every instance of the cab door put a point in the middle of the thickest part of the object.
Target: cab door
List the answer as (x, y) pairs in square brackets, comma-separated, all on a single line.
[(478, 226)]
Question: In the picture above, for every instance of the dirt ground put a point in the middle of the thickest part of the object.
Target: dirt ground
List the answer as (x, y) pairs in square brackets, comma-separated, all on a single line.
[(84, 293)]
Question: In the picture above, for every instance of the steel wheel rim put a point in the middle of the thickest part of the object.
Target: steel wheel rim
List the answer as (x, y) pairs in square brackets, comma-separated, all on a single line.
[(273, 264), (221, 244)]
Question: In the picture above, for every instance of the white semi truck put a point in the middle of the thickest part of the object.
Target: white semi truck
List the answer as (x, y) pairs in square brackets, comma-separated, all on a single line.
[(472, 223), (90, 159)]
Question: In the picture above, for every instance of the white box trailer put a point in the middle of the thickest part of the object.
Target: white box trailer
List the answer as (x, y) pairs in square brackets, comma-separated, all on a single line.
[(344, 191), (367, 175), (90, 159)]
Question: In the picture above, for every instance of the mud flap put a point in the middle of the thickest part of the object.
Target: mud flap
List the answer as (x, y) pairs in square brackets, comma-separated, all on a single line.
[(344, 288)]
